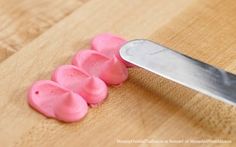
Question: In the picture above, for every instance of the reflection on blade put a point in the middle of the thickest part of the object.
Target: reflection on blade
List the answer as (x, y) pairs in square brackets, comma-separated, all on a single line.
[(181, 69)]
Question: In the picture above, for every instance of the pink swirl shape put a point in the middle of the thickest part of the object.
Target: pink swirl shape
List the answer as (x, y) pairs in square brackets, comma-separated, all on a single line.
[(110, 70), (70, 108), (91, 88), (89, 60), (113, 72), (109, 45), (54, 101)]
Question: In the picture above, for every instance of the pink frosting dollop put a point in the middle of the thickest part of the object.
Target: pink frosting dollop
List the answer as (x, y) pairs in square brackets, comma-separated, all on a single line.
[(89, 60), (113, 72), (91, 88), (109, 45), (70, 108), (110, 70), (53, 100)]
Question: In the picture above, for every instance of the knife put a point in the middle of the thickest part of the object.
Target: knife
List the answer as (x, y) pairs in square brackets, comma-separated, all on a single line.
[(192, 73)]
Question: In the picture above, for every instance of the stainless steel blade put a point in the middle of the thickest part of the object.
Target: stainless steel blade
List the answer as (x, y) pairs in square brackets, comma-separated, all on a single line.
[(182, 69)]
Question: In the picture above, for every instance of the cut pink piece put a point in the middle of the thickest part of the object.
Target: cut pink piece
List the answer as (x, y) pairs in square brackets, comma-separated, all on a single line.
[(92, 89), (111, 70), (114, 72), (89, 60), (109, 45), (71, 108), (47, 96)]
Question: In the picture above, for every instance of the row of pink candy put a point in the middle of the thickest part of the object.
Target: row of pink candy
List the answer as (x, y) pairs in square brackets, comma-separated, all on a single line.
[(73, 87)]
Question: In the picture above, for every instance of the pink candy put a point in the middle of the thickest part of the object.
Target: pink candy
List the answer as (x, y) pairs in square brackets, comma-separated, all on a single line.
[(54, 101), (73, 86), (91, 88), (109, 45), (110, 70)]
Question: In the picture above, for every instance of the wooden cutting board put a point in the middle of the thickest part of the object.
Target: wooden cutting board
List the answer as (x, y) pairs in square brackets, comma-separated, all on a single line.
[(38, 36)]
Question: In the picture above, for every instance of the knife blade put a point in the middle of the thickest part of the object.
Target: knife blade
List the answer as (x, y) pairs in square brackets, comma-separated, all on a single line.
[(182, 69)]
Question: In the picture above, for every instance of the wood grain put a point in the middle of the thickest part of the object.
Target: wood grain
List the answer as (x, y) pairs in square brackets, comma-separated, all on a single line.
[(146, 106), (22, 21)]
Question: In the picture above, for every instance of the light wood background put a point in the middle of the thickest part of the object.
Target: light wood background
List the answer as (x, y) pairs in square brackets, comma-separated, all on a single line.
[(37, 36)]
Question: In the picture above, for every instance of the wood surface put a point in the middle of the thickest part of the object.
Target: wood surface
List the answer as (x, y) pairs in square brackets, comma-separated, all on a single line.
[(38, 36)]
